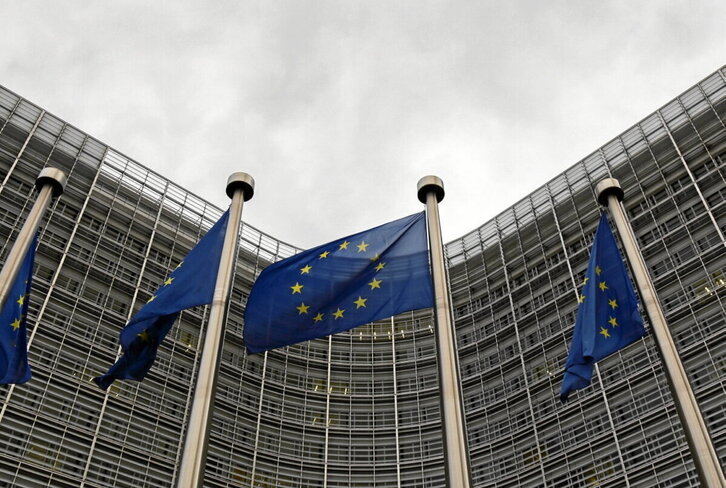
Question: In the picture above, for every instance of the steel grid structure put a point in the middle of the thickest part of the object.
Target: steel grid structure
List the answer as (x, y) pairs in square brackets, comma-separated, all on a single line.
[(361, 409)]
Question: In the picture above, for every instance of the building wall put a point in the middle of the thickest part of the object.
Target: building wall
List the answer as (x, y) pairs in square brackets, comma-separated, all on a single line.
[(361, 409)]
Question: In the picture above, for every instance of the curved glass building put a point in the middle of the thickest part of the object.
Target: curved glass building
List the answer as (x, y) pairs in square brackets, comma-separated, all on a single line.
[(361, 409)]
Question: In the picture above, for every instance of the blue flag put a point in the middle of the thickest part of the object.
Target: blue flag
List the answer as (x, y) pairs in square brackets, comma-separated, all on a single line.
[(14, 367), (608, 317), (368, 276), (191, 284)]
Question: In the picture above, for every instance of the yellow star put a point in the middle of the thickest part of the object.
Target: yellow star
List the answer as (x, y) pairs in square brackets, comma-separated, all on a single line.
[(144, 336), (297, 288), (587, 278), (16, 325), (344, 245), (318, 317), (324, 254), (581, 299), (380, 266), (21, 300), (153, 297), (613, 304), (603, 286), (604, 332), (598, 270), (361, 302), (302, 309), (338, 314), (375, 283), (362, 246), (168, 281), (375, 258), (306, 269), (613, 321)]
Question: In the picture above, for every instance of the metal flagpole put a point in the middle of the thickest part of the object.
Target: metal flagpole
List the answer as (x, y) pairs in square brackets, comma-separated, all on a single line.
[(430, 192), (50, 183), (240, 188), (708, 466)]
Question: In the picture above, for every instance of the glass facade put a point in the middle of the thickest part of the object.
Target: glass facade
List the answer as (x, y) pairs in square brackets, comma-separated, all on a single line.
[(361, 409)]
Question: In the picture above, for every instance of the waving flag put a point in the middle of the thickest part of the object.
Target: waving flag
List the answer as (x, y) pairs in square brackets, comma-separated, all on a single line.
[(191, 284), (608, 318), (360, 278), (14, 366)]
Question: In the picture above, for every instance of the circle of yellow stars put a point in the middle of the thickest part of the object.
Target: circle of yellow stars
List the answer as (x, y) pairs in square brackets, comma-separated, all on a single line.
[(18, 322), (15, 324), (602, 285), (360, 302)]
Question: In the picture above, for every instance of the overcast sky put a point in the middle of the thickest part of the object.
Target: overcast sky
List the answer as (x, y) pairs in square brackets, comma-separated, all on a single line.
[(338, 108)]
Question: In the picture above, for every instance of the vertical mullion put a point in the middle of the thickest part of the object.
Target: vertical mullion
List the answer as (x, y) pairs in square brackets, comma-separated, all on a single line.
[(22, 149)]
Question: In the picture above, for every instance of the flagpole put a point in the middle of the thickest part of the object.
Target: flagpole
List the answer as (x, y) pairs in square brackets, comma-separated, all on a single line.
[(708, 466), (430, 192), (50, 183), (240, 188)]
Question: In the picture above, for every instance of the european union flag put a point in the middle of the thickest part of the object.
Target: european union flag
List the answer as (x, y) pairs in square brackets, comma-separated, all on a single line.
[(14, 367), (368, 276), (608, 317), (191, 284)]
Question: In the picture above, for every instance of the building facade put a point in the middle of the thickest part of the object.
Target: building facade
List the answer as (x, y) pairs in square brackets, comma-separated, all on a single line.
[(361, 409)]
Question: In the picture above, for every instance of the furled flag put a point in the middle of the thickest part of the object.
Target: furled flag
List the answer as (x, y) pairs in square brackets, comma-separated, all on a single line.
[(14, 367), (191, 284), (608, 318), (368, 276)]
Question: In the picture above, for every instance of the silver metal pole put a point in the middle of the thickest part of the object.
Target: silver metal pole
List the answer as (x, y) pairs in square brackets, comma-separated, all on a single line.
[(704, 455), (240, 188), (49, 184), (456, 451)]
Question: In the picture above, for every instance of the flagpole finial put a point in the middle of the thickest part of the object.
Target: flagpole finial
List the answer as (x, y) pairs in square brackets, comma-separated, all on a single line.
[(243, 181), (428, 184), (607, 187), (54, 177)]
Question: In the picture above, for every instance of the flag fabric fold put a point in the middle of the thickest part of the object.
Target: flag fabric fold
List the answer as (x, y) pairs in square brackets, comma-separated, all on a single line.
[(191, 284), (331, 288), (607, 318), (14, 367)]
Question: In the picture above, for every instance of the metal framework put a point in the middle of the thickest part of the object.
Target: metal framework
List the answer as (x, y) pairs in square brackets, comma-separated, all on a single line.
[(361, 409)]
